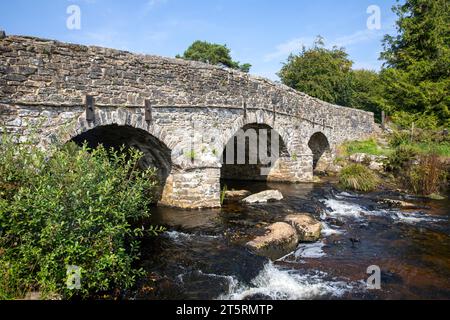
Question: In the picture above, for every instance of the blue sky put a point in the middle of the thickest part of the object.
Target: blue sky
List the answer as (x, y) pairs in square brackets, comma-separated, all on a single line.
[(261, 32)]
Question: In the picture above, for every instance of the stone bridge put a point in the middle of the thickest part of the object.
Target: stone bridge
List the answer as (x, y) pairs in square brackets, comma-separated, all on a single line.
[(182, 115)]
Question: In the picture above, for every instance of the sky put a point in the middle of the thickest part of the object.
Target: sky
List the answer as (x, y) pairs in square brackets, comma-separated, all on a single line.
[(260, 32)]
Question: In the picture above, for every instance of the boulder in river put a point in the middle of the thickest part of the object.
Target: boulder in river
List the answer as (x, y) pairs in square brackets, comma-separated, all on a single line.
[(308, 229), (236, 195), (265, 196), (279, 240)]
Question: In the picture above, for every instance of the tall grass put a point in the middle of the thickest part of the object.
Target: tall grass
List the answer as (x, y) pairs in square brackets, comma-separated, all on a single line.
[(427, 177), (367, 146), (358, 177)]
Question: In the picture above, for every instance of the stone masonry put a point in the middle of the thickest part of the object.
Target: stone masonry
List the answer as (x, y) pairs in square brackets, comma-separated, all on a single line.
[(196, 109)]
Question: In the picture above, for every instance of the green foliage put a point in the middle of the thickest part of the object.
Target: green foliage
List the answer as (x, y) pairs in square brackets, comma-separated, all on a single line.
[(405, 120), (366, 91), (326, 74), (320, 72), (213, 54), (417, 74), (70, 206), (442, 149), (358, 177), (398, 138), (367, 146), (223, 193), (422, 141), (400, 159)]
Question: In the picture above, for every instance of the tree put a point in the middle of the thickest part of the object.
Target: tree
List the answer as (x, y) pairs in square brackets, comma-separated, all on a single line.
[(416, 75), (366, 91), (320, 72), (213, 54)]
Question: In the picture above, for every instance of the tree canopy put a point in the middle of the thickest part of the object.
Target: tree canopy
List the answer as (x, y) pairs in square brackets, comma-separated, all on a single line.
[(319, 72), (414, 83), (213, 53), (416, 74), (327, 74)]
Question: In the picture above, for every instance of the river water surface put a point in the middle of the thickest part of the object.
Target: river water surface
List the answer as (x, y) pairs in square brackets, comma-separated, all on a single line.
[(202, 255)]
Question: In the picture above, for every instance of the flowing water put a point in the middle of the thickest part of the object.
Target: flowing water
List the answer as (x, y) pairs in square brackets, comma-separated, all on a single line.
[(202, 255)]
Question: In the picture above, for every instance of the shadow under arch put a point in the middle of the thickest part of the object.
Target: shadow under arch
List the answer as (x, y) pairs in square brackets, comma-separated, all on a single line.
[(321, 150), (156, 153), (247, 169)]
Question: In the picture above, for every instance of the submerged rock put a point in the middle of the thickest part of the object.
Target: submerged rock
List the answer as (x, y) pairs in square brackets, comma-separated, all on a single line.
[(236, 195), (265, 196), (308, 229), (402, 204), (279, 240)]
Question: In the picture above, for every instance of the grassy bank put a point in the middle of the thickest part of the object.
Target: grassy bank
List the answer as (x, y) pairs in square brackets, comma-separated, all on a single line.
[(416, 162)]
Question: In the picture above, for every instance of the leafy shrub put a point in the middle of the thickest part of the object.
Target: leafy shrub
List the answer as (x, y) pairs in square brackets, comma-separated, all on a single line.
[(405, 120), (400, 158), (73, 208), (358, 177), (427, 177), (398, 138)]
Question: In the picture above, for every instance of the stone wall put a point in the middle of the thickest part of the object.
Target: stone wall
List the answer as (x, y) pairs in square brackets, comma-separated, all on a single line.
[(196, 109)]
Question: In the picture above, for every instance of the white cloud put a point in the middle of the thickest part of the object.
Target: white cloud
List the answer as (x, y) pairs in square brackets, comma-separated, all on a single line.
[(357, 37), (284, 49)]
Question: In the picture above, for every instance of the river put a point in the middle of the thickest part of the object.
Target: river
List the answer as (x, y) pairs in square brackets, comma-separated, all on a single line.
[(202, 254)]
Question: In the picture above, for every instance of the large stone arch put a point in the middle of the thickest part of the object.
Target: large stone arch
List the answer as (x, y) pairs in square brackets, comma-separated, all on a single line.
[(114, 128)]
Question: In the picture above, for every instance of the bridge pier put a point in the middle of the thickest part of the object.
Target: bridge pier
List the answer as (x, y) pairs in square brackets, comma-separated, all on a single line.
[(292, 169), (193, 189)]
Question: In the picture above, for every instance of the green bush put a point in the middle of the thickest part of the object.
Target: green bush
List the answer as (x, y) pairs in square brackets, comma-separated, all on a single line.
[(75, 207), (398, 138), (358, 177), (400, 158), (404, 120)]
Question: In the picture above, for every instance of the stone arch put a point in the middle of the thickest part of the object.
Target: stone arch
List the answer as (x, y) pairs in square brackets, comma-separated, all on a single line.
[(155, 153), (321, 150), (246, 162), (116, 127), (261, 118)]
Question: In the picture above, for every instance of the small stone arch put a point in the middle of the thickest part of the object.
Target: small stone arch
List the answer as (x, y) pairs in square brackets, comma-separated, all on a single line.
[(260, 118), (253, 168), (321, 150)]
